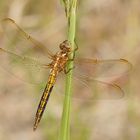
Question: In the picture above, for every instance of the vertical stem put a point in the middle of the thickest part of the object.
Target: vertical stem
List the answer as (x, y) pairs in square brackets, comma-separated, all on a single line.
[(65, 122)]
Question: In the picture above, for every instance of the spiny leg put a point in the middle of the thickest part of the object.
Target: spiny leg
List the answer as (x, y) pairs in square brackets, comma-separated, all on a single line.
[(67, 71), (76, 45), (73, 51), (70, 60)]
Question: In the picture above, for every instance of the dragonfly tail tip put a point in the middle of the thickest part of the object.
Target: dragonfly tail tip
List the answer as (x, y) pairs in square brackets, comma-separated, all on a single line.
[(34, 128)]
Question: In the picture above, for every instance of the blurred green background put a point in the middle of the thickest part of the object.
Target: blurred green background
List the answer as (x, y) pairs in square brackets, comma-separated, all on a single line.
[(105, 29)]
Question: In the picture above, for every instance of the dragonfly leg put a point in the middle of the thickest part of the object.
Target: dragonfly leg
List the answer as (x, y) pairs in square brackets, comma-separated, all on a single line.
[(70, 60), (73, 51), (76, 45), (67, 71)]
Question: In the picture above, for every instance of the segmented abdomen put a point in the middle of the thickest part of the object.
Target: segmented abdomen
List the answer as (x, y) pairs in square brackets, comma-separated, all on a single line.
[(44, 99)]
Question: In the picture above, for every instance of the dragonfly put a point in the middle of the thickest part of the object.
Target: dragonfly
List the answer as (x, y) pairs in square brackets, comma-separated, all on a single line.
[(58, 65)]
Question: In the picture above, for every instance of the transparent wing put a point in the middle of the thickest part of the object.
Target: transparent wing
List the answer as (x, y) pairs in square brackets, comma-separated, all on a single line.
[(102, 69), (88, 90), (85, 87), (98, 79), (93, 89), (23, 68), (17, 40)]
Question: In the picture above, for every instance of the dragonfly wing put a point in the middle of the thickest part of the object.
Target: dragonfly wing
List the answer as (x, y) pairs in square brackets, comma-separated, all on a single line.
[(18, 40), (93, 89), (23, 68), (105, 69), (88, 89), (96, 79)]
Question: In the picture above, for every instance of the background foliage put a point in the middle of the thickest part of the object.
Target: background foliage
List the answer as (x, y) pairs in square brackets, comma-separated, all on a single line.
[(105, 29)]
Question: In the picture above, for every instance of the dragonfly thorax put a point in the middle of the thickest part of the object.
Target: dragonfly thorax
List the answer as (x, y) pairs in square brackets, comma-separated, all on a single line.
[(61, 57), (60, 61)]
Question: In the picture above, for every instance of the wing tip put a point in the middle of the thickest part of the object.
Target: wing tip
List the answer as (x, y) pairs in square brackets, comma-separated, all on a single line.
[(34, 128), (119, 88), (2, 50), (8, 19), (127, 62)]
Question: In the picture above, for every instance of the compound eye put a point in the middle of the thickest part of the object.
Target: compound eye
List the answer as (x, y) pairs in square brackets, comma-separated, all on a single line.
[(61, 46), (66, 42)]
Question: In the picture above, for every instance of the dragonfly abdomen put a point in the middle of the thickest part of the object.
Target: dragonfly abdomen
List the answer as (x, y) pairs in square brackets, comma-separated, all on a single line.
[(44, 99)]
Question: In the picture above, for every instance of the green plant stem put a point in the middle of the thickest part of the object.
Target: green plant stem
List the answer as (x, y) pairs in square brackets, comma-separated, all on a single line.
[(65, 122)]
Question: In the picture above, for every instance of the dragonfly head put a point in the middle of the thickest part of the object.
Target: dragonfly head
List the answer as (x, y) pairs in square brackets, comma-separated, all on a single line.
[(65, 46)]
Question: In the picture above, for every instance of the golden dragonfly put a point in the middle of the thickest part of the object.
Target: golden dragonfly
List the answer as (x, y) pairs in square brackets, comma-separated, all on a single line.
[(58, 65)]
